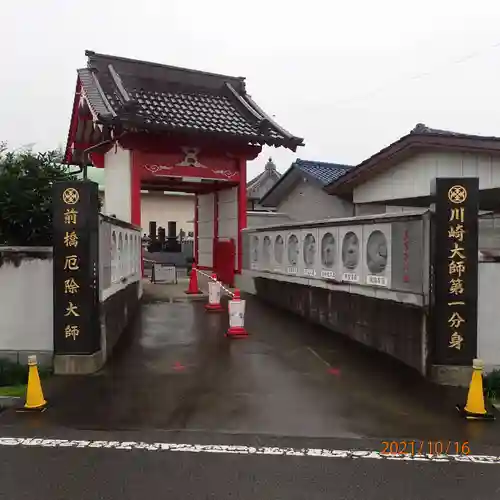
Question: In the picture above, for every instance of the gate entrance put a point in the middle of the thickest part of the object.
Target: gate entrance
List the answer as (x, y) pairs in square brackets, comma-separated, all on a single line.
[(156, 127)]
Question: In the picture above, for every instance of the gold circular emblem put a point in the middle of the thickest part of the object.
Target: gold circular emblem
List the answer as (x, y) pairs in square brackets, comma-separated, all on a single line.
[(70, 196), (457, 194)]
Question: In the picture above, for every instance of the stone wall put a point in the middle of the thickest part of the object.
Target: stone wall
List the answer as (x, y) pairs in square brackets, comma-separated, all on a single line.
[(391, 327), (117, 311), (26, 307)]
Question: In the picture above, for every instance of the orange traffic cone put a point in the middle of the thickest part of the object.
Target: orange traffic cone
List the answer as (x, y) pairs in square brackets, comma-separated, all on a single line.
[(35, 400), (193, 288)]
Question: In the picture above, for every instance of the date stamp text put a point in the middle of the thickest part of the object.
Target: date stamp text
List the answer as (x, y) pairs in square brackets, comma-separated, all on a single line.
[(425, 448)]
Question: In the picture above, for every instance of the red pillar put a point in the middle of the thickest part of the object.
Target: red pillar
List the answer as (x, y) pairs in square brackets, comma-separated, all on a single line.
[(196, 229), (216, 228), (242, 210)]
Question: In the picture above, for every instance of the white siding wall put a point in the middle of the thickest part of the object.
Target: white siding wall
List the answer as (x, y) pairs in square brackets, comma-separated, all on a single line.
[(205, 229), (309, 202), (26, 307), (412, 177), (488, 335), (374, 208), (117, 183), (228, 217)]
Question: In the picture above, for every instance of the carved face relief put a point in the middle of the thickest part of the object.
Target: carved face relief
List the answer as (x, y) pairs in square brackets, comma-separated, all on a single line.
[(376, 252), (278, 249), (255, 248), (267, 249), (293, 250), (328, 250), (309, 250), (350, 251)]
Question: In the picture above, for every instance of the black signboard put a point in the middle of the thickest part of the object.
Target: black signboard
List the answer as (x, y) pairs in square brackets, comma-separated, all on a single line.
[(76, 283), (455, 251)]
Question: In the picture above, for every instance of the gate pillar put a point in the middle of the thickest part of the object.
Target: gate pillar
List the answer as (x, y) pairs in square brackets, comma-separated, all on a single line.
[(77, 332)]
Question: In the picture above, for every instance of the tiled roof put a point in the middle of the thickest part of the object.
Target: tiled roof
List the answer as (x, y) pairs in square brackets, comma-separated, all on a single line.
[(322, 171), (158, 97), (422, 129)]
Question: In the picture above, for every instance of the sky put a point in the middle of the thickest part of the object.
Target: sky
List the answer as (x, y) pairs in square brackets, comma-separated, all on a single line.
[(348, 77)]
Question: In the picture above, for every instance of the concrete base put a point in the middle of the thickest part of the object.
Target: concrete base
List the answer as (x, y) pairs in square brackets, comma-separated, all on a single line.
[(456, 376), (78, 364), (43, 358)]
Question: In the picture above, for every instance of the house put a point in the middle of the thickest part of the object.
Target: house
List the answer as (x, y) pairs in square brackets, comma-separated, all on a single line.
[(300, 192), (261, 184), (400, 176)]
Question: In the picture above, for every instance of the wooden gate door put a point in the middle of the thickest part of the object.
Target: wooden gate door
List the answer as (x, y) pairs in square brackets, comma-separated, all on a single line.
[(224, 258)]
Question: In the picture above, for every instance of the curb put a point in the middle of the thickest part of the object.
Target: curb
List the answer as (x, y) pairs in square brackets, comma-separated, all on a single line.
[(9, 402)]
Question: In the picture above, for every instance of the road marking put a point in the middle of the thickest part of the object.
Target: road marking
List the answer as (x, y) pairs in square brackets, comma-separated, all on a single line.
[(319, 357), (242, 450)]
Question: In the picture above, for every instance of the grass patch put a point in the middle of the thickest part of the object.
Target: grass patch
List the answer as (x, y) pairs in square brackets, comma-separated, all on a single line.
[(14, 374), (491, 385), (13, 391)]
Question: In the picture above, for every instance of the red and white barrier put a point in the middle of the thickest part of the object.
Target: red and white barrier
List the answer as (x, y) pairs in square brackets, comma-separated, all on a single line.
[(236, 317), (214, 293), (236, 306)]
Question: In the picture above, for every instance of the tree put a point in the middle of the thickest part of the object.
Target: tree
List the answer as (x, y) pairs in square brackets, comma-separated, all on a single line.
[(26, 180)]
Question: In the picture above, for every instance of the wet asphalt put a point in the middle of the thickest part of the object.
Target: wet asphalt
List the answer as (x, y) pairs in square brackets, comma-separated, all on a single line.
[(174, 373)]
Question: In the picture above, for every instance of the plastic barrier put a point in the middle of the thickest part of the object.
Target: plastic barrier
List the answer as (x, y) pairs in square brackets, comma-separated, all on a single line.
[(214, 292)]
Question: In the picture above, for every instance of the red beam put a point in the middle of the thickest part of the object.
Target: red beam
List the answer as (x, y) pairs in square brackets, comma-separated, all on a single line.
[(68, 156)]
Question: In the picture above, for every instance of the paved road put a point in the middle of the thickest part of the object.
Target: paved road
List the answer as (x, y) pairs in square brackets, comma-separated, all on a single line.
[(289, 385), (92, 467)]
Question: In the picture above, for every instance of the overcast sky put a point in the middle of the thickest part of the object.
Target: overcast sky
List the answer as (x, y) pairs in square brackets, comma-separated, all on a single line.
[(350, 77)]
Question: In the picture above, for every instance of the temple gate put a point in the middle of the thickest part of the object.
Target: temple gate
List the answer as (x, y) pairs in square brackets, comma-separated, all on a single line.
[(158, 127)]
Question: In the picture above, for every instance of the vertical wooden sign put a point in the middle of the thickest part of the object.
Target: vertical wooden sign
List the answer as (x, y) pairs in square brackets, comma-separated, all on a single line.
[(76, 280), (455, 270)]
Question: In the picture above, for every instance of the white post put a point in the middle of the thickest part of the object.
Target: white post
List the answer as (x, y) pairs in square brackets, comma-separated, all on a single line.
[(214, 293), (236, 317)]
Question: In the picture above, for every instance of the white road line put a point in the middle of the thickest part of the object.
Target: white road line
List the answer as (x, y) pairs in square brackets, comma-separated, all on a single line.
[(242, 450), (319, 357)]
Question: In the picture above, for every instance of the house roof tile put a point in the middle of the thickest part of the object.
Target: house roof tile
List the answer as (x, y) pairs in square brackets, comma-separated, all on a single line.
[(154, 96)]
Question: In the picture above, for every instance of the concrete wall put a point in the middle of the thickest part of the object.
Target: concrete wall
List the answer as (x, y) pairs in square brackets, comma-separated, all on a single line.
[(488, 348), (412, 177), (390, 327), (26, 315), (117, 182), (161, 207), (26, 298), (375, 208), (308, 201)]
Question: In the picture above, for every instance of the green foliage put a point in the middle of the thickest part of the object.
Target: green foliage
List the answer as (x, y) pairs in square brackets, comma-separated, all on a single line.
[(26, 180), (15, 374), (491, 384)]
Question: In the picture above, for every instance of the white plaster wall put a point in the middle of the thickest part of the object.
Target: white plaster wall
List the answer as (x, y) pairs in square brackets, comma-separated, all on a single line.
[(163, 208), (205, 229), (228, 217), (412, 177), (488, 335), (26, 315), (374, 209), (309, 202), (117, 183)]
